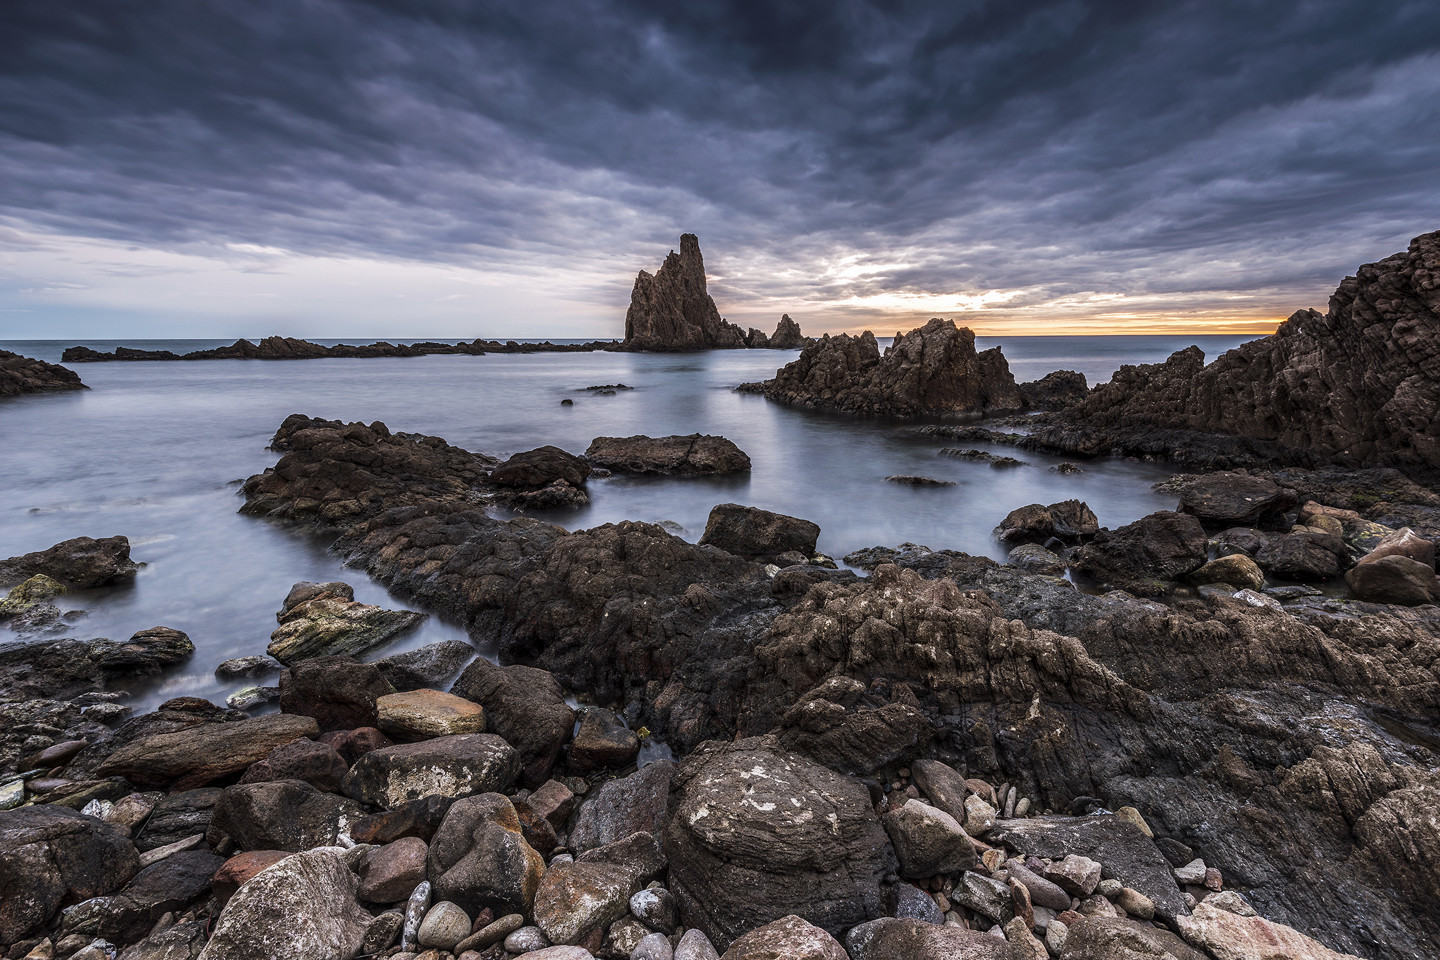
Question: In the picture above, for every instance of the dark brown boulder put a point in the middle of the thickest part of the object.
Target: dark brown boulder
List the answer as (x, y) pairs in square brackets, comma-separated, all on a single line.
[(1144, 557), (694, 455), (281, 815), (526, 707), (19, 375), (1056, 390), (671, 310), (301, 759), (889, 938), (932, 370), (169, 885), (639, 803), (479, 857), (82, 562), (756, 834), (1105, 938), (540, 467), (455, 766), (1221, 500), (752, 532), (51, 856), (177, 816), (851, 729), (204, 753), (1303, 555), (1069, 520), (339, 692), (1395, 579)]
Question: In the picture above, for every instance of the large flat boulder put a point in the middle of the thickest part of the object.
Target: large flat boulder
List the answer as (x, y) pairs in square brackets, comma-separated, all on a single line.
[(752, 532), (692, 455), (756, 834), (51, 856), (324, 619), (205, 752), (458, 766), (82, 562)]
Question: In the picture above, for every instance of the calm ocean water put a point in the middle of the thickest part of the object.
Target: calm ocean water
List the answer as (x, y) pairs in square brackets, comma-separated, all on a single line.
[(154, 452)]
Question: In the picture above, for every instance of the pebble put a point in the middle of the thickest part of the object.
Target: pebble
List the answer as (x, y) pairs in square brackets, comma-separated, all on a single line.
[(492, 933), (1076, 875), (654, 947), (655, 908), (1192, 872), (1136, 904), (98, 950), (1213, 879), (12, 795), (1232, 902), (445, 925), (1110, 888), (1055, 936), (414, 913), (1133, 816), (1023, 807), (526, 939), (695, 946), (979, 816)]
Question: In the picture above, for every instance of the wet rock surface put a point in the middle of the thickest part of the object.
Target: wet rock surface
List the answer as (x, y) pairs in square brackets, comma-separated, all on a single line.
[(686, 456), (81, 562)]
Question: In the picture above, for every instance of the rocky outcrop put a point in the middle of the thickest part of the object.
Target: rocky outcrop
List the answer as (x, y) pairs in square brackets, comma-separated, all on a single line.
[(1057, 390), (787, 335), (289, 348), (752, 532), (20, 375), (931, 371), (324, 619), (1285, 746), (1358, 385), (695, 455), (670, 309), (82, 562)]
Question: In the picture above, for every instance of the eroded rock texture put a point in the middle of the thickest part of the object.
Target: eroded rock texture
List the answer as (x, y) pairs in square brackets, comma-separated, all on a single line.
[(670, 310), (1357, 385), (932, 370), (1291, 748), (27, 375)]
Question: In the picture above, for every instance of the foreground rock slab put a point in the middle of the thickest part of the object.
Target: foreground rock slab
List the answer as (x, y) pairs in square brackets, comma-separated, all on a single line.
[(692, 455), (206, 752), (301, 908), (456, 766)]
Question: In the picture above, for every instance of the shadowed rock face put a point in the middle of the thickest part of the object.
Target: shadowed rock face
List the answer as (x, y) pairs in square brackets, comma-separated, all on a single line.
[(26, 375), (670, 309), (933, 370), (1358, 385)]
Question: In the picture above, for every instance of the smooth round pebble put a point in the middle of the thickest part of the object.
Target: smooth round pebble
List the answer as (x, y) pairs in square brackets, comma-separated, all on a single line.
[(655, 908), (526, 939), (445, 925)]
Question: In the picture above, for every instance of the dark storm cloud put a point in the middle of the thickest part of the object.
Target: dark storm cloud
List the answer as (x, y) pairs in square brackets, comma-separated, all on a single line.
[(1043, 148)]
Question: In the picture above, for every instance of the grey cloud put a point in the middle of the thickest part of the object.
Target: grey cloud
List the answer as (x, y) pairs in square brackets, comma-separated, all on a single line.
[(1049, 147)]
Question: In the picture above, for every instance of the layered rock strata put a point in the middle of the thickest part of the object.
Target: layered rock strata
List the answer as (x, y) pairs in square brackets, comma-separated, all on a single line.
[(290, 348)]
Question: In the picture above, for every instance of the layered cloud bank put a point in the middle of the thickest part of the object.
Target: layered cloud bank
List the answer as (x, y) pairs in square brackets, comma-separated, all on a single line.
[(352, 168)]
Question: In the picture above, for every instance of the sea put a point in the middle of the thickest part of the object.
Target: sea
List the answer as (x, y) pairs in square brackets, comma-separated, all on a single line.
[(157, 451)]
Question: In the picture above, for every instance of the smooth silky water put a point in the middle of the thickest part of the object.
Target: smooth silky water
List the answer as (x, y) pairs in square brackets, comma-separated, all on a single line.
[(155, 451)]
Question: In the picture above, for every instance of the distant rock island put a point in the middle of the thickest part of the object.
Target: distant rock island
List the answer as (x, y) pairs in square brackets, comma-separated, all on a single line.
[(670, 310), (290, 348), (20, 375), (933, 370)]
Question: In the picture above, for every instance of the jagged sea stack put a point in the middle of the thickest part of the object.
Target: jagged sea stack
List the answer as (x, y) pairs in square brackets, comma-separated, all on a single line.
[(670, 310)]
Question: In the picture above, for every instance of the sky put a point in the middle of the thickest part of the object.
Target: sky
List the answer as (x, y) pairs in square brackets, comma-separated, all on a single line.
[(463, 168)]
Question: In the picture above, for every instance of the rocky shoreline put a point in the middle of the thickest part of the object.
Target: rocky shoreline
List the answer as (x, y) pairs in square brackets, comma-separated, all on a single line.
[(290, 348), (21, 375), (947, 757)]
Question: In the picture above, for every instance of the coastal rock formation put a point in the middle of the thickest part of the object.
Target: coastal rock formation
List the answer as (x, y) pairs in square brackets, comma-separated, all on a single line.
[(787, 335), (670, 310), (19, 375), (1056, 390), (1358, 385), (290, 348), (930, 371), (688, 456), (1286, 746), (80, 562)]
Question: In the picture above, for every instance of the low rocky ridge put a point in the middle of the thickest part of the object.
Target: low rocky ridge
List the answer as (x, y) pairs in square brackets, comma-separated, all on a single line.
[(1355, 386), (951, 757), (670, 310), (21, 375), (932, 370), (290, 348)]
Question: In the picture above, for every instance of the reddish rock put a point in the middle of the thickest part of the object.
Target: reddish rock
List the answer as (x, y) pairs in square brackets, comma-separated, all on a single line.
[(241, 868)]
